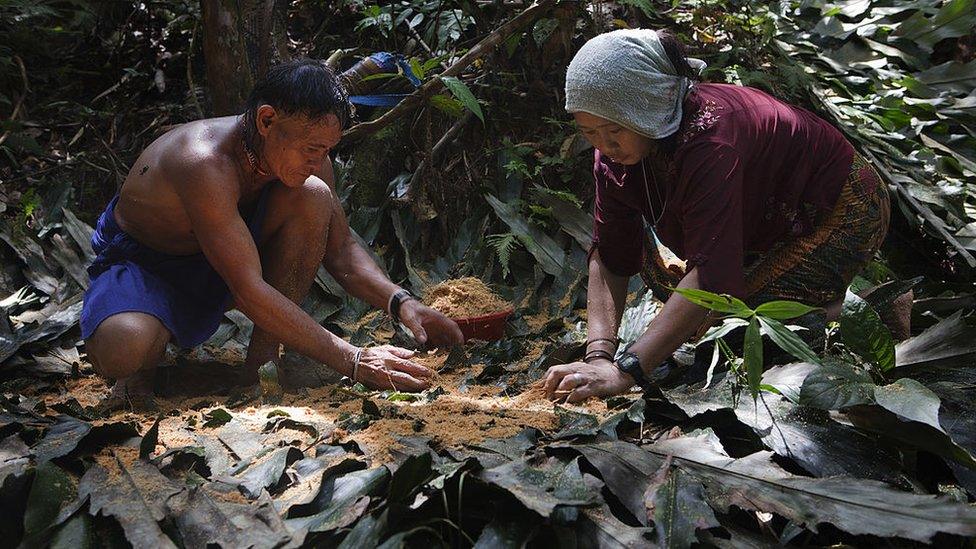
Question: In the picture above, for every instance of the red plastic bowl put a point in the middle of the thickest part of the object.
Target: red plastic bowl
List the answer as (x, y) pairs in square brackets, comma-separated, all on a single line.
[(486, 327)]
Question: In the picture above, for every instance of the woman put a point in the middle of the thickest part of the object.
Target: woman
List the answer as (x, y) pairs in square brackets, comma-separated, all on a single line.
[(763, 201)]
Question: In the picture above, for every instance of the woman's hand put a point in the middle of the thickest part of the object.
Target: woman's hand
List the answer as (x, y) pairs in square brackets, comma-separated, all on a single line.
[(389, 367), (429, 325), (579, 381)]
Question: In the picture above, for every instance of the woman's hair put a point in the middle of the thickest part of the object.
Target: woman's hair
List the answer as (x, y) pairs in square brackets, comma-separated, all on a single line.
[(676, 54), (301, 86)]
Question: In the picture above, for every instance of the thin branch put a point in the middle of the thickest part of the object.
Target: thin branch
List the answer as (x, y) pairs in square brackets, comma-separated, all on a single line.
[(435, 151), (435, 84)]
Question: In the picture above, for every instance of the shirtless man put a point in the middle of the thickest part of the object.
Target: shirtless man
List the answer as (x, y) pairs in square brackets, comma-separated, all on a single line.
[(239, 211)]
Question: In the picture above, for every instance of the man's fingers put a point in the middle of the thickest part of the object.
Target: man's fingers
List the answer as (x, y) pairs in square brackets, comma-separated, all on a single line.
[(413, 369), (398, 352), (419, 333), (400, 381)]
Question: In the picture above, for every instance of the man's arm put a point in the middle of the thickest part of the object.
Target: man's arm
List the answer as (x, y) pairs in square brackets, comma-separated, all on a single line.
[(357, 273), (347, 262), (230, 249), (211, 204)]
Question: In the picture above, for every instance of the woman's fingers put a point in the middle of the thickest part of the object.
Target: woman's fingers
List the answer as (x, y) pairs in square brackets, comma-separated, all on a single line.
[(569, 383), (554, 376), (580, 393)]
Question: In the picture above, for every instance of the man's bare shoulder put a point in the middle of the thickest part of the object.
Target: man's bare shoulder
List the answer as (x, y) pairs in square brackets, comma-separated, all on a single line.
[(202, 150)]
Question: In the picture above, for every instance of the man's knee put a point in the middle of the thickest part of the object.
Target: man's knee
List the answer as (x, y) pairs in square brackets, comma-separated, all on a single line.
[(306, 209), (126, 342), (317, 204)]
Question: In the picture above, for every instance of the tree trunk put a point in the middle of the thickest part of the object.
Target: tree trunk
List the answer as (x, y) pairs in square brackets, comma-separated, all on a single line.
[(241, 39)]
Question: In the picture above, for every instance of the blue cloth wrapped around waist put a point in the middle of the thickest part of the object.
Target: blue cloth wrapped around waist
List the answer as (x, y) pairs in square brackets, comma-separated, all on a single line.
[(183, 291)]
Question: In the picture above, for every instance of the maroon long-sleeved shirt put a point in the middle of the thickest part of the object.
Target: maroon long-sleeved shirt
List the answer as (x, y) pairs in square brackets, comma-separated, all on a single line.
[(747, 171)]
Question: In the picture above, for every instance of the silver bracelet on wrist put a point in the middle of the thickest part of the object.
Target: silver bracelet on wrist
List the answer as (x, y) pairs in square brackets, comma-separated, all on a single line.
[(355, 364)]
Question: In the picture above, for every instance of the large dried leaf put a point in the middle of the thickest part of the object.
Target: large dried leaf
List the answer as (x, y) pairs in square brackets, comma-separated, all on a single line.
[(950, 342), (543, 486), (204, 521), (836, 385), (52, 489), (80, 232), (804, 434), (910, 400), (626, 469), (37, 270), (598, 527), (955, 385), (14, 457), (341, 500), (677, 505), (135, 494), (69, 433), (550, 256), (267, 473), (853, 505)]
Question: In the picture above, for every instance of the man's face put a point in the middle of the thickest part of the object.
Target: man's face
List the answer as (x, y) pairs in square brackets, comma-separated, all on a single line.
[(296, 146), (620, 144)]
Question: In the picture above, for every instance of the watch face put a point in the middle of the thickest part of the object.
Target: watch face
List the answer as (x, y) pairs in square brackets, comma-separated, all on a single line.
[(629, 362)]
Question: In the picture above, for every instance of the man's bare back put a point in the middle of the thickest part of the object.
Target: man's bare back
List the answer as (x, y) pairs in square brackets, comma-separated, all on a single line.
[(150, 208)]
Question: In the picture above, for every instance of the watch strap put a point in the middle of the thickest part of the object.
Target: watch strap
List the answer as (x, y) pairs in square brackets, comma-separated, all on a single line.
[(397, 300), (629, 363)]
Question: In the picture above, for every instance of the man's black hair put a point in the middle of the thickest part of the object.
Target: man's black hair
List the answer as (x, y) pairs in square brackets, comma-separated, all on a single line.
[(301, 86)]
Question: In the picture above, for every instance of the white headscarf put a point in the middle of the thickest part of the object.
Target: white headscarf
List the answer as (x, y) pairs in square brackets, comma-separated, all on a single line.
[(625, 76)]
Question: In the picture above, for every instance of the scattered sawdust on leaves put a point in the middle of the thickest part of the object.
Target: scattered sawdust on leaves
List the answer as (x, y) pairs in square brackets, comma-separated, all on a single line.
[(383, 331), (88, 390), (110, 457), (464, 298), (537, 322), (536, 348), (452, 419)]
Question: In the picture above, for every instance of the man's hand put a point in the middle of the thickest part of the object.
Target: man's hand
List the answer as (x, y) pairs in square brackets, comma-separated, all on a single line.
[(578, 381), (389, 367), (429, 325)]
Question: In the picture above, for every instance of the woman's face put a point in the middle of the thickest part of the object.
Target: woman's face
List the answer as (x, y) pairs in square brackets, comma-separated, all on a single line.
[(623, 146)]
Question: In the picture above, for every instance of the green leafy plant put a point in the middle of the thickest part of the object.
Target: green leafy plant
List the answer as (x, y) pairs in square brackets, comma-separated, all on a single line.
[(464, 95), (503, 245), (765, 319)]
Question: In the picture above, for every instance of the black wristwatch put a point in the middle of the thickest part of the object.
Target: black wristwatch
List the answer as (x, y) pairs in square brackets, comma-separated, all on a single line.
[(629, 364), (396, 300)]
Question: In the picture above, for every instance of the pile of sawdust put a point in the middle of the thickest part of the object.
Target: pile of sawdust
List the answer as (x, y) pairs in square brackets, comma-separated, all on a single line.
[(464, 298)]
